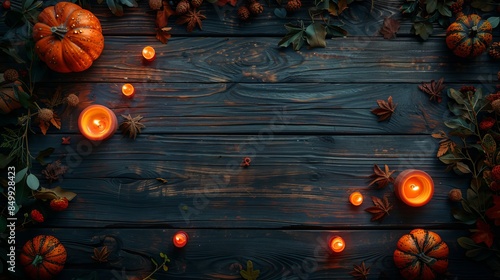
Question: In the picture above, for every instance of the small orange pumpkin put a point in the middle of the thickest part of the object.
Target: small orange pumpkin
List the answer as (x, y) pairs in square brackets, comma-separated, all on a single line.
[(469, 36), (68, 38), (421, 254), (43, 257)]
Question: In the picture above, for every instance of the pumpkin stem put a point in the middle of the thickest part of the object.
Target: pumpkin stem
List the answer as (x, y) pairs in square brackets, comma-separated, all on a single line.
[(426, 259), (473, 31), (59, 31), (37, 260)]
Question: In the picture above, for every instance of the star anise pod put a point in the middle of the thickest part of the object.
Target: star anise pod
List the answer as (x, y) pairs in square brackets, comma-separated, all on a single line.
[(385, 109), (132, 125), (381, 208), (193, 17), (380, 177), (360, 272), (433, 89), (101, 256), (445, 144)]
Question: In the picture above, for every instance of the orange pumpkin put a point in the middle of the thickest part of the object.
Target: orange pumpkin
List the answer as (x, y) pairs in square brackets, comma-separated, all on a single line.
[(68, 38), (421, 254), (469, 36), (43, 257)]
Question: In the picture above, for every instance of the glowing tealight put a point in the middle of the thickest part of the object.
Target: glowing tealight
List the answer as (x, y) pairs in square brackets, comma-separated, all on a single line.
[(97, 122), (414, 187), (180, 239), (337, 244), (128, 90), (149, 53), (356, 198)]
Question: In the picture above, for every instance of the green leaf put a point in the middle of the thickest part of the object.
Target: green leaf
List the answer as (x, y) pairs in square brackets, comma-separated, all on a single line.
[(335, 31), (43, 154), (162, 255), (129, 3), (154, 262), (466, 243), (27, 4), (280, 12), (115, 8), (295, 37), (494, 21), (463, 168), (315, 34), (24, 98), (456, 95), (463, 216), (32, 182), (489, 144), (431, 6), (165, 267), (423, 29), (459, 123), (445, 11), (450, 158), (408, 8), (21, 174)]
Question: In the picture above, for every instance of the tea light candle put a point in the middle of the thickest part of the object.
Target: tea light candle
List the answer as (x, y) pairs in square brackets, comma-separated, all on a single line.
[(128, 90), (356, 198), (414, 187), (180, 239), (337, 244), (149, 53), (97, 122)]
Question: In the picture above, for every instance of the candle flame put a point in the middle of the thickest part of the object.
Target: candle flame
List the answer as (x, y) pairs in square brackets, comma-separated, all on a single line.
[(338, 244), (98, 123), (414, 187)]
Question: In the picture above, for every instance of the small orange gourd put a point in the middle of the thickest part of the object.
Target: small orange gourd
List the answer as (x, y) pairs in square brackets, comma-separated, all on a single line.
[(469, 36), (67, 37), (421, 255), (43, 257)]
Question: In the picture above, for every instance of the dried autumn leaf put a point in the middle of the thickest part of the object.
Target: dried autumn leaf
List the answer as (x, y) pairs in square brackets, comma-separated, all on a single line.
[(389, 28), (162, 180), (54, 170), (433, 89), (193, 18), (249, 273), (360, 272), (132, 125), (57, 192), (385, 109), (381, 208), (380, 177), (162, 35), (445, 144), (45, 125), (101, 256), (163, 15)]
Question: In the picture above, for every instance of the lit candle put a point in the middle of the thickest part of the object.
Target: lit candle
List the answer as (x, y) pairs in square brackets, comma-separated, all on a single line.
[(97, 122), (180, 239), (414, 187), (149, 53), (337, 244), (128, 90), (356, 198)]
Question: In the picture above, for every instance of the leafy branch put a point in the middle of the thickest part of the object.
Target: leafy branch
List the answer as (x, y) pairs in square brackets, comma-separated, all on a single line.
[(158, 266)]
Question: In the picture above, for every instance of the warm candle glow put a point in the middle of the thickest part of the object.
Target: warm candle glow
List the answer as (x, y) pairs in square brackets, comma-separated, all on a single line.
[(180, 239), (96, 122), (356, 198), (337, 244), (128, 90), (149, 53), (414, 187)]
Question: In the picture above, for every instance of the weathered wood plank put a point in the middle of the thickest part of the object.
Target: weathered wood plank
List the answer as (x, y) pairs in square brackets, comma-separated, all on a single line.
[(220, 254), (248, 108), (292, 181), (217, 60)]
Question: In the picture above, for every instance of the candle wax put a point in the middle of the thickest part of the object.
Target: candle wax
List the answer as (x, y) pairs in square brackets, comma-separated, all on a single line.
[(180, 239), (337, 244), (149, 53), (356, 198)]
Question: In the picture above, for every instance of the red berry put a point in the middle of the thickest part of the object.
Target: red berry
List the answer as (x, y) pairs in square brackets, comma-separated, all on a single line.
[(6, 4), (59, 204)]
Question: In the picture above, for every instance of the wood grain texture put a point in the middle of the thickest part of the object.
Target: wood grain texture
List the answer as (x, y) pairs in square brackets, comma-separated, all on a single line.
[(292, 181), (220, 254), (258, 59)]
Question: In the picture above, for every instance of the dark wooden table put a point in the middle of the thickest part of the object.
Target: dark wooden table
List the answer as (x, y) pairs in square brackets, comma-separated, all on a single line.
[(215, 96)]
